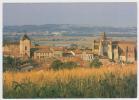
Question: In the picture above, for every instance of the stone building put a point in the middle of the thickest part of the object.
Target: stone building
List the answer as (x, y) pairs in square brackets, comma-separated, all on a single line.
[(57, 51), (43, 54), (124, 51), (102, 46), (18, 49), (11, 49), (87, 56), (25, 46)]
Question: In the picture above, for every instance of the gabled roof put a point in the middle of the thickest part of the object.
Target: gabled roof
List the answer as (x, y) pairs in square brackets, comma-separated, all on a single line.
[(58, 48), (124, 42), (77, 52), (41, 47), (43, 51), (25, 37)]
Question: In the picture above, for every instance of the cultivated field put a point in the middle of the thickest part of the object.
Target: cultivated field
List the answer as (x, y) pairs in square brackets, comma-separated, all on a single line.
[(114, 81)]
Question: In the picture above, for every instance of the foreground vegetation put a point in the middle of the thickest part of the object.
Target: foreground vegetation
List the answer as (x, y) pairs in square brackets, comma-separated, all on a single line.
[(58, 65), (101, 82), (13, 64)]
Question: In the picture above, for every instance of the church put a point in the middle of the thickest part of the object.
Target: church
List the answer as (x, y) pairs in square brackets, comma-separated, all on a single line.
[(119, 51), (102, 47)]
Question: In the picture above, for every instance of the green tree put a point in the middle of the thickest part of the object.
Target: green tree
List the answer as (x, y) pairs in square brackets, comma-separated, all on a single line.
[(95, 63), (9, 63), (32, 50), (69, 65), (57, 64), (10, 60)]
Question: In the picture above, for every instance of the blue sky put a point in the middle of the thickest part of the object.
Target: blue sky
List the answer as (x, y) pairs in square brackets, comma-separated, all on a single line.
[(95, 14)]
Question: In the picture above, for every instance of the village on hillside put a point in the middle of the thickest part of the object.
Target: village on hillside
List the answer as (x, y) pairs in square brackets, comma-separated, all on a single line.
[(69, 50), (105, 49)]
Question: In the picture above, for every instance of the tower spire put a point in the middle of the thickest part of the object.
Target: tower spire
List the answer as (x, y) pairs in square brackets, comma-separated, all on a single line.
[(102, 36)]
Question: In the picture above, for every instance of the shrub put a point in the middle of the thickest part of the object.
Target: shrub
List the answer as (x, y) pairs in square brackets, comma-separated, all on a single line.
[(57, 64), (69, 65), (9, 63), (95, 63)]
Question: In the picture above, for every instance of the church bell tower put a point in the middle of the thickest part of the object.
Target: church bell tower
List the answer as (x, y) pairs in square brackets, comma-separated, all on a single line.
[(25, 45)]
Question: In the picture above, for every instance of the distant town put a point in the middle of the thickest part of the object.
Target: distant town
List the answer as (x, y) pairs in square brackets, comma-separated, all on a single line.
[(104, 48)]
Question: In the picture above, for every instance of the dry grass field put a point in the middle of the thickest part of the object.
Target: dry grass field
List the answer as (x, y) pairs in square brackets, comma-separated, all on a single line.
[(114, 81)]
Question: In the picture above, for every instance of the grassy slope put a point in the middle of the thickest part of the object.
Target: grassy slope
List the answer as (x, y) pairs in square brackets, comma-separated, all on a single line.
[(76, 83)]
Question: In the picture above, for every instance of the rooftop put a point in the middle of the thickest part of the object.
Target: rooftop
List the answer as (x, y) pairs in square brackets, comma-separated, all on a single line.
[(11, 43), (43, 51), (25, 37), (124, 42), (41, 47)]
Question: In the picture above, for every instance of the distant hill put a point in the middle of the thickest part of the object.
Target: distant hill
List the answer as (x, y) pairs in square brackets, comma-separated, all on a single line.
[(67, 29)]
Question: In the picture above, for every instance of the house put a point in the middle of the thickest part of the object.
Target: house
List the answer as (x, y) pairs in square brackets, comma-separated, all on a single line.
[(11, 49), (57, 51), (43, 54), (87, 55)]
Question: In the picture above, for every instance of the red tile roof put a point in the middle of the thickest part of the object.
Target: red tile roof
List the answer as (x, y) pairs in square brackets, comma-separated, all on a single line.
[(43, 51), (41, 47)]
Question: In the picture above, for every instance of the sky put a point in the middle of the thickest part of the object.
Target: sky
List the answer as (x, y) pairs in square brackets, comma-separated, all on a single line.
[(94, 14)]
